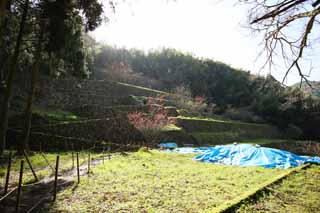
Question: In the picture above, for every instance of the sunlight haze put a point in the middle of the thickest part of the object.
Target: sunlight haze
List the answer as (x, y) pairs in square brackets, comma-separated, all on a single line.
[(207, 28)]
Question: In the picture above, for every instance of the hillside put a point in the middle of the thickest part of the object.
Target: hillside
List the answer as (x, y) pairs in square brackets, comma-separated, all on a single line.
[(225, 88), (314, 89), (92, 110), (76, 114)]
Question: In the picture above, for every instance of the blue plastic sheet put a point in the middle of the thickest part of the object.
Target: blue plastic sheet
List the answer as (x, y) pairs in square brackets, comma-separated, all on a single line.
[(169, 145), (190, 150), (249, 155)]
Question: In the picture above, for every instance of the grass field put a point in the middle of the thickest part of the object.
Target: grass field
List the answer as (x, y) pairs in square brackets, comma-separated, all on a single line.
[(160, 182), (298, 193), (40, 165)]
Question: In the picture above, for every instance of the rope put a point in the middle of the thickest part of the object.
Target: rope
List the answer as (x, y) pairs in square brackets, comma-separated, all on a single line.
[(8, 194), (78, 139)]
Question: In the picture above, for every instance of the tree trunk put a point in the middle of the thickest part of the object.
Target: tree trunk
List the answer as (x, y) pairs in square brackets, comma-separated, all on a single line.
[(13, 66), (3, 12), (3, 7), (23, 144), (52, 64), (4, 21)]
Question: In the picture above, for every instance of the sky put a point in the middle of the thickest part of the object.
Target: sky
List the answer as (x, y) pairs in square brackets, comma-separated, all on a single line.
[(212, 29)]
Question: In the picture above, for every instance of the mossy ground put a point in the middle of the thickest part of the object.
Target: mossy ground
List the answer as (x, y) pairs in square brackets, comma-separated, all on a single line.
[(160, 182)]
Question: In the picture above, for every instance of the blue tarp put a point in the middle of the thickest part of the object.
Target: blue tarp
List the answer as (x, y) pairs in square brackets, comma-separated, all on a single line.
[(190, 150), (249, 155), (170, 145)]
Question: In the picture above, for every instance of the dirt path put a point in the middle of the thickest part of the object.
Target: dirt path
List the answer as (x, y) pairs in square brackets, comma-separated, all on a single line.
[(37, 195)]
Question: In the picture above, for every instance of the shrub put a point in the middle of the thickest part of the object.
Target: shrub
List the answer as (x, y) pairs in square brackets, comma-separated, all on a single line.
[(151, 123), (242, 115), (193, 106)]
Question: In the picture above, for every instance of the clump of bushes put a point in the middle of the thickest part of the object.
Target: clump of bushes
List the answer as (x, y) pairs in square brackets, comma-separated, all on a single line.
[(243, 115), (189, 106)]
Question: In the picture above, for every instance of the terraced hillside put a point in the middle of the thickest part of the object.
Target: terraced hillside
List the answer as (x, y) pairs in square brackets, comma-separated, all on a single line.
[(97, 111), (212, 132)]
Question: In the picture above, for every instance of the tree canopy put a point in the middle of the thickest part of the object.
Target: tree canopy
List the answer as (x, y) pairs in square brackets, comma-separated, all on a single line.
[(46, 33)]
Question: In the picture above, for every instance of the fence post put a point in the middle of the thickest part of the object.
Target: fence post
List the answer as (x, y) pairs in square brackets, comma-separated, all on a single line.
[(29, 163), (109, 150), (78, 171), (56, 179), (19, 187), (103, 154), (72, 160), (88, 163), (6, 184)]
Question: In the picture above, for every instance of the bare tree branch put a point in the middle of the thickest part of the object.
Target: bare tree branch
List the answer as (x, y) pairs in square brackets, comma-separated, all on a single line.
[(275, 19)]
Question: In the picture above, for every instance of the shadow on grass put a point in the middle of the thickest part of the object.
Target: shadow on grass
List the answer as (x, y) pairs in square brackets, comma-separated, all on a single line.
[(36, 197)]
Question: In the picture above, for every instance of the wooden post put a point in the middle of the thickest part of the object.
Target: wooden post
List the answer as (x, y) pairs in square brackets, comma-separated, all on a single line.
[(19, 187), (109, 150), (103, 154), (88, 164), (47, 161), (72, 160), (78, 170), (40, 147), (56, 179), (7, 175), (29, 163)]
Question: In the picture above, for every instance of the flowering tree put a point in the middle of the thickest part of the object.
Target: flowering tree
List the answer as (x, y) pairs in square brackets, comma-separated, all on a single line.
[(151, 123)]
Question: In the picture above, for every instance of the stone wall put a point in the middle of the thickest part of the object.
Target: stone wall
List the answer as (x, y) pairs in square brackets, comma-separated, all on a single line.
[(117, 130), (221, 131)]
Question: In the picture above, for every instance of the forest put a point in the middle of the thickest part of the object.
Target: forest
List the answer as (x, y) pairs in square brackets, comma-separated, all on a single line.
[(87, 126)]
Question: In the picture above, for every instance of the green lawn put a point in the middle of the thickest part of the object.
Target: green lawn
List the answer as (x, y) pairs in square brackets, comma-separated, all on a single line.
[(160, 182), (298, 193)]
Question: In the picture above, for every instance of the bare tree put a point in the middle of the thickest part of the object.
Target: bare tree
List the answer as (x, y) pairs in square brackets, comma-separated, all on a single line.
[(288, 27)]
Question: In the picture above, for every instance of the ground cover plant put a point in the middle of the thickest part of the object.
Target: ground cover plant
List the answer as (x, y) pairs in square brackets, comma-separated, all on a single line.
[(298, 193), (160, 182)]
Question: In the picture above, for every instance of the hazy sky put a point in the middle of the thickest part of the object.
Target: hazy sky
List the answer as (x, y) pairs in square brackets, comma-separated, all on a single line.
[(206, 28)]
